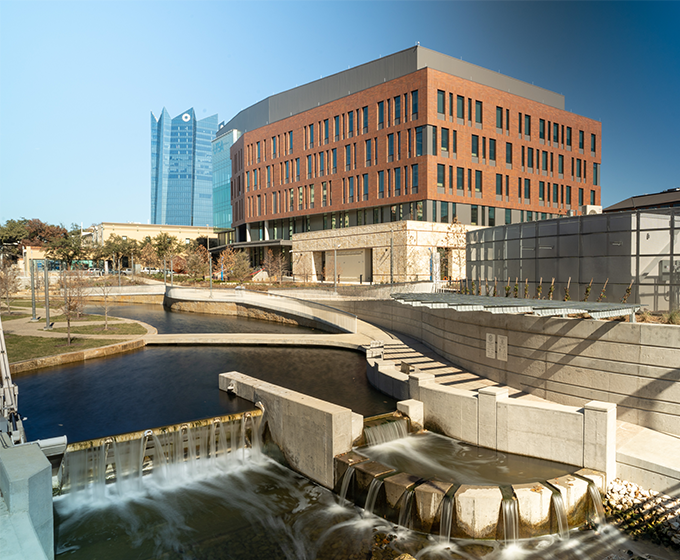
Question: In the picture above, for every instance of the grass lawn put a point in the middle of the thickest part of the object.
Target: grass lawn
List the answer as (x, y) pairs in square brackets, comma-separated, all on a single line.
[(21, 348), (39, 303), (16, 315), (83, 318), (117, 328)]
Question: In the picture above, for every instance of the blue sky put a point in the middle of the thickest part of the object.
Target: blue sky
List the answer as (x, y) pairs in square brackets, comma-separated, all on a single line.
[(79, 79)]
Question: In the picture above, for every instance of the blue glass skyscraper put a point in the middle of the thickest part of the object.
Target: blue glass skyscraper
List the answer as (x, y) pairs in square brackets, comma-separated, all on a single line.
[(222, 177), (181, 169)]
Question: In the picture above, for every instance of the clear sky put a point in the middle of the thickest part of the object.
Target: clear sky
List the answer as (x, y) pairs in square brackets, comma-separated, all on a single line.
[(78, 80)]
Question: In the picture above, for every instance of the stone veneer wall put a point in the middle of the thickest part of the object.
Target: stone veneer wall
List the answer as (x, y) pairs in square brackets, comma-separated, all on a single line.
[(567, 361)]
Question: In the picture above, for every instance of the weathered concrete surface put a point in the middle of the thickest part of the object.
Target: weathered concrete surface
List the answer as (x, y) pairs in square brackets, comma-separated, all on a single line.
[(477, 511), (533, 505), (428, 500), (26, 519), (309, 431), (414, 410), (574, 492)]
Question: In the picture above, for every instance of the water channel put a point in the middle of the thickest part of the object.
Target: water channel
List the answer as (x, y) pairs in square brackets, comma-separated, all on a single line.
[(248, 508)]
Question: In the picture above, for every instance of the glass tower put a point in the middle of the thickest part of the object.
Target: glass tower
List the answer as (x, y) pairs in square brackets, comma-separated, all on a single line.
[(222, 178), (181, 169)]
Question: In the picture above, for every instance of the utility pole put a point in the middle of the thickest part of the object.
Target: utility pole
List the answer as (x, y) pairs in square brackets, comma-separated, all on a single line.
[(34, 319), (48, 326)]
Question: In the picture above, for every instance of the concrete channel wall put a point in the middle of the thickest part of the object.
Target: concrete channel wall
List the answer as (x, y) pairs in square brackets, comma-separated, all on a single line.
[(568, 361), (271, 306), (581, 436), (309, 431)]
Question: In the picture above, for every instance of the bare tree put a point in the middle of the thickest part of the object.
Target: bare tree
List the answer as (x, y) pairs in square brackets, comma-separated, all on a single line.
[(105, 287), (9, 282), (274, 264), (72, 284), (241, 269), (197, 260), (226, 261)]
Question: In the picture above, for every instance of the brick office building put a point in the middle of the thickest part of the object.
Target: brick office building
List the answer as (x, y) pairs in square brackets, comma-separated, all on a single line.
[(416, 135)]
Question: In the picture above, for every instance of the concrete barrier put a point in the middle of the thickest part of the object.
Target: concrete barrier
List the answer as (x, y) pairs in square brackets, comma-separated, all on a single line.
[(309, 431), (26, 515)]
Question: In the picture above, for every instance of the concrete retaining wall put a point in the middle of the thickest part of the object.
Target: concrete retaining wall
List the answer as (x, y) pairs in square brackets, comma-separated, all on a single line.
[(309, 431), (568, 361)]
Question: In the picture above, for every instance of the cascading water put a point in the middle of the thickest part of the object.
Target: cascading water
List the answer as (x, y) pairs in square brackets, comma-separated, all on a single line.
[(346, 479), (594, 493), (405, 509), (560, 514), (510, 517), (373, 489), (446, 518), (388, 431)]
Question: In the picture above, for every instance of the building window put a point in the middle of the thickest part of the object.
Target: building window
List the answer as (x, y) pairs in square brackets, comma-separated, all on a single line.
[(556, 193), (454, 141), (350, 197), (568, 195), (335, 160), (492, 149), (397, 109), (541, 191), (381, 115), (581, 139), (568, 136), (478, 112), (578, 167), (541, 129), (596, 174), (324, 195), (478, 181), (441, 172), (556, 133), (593, 144), (397, 181), (365, 179), (460, 180), (301, 199), (297, 169), (530, 158), (290, 141), (336, 126), (499, 185), (348, 157), (580, 197), (309, 166), (492, 216), (527, 125), (499, 117), (475, 145), (560, 164), (527, 189), (508, 153), (508, 216), (364, 119), (592, 197), (473, 214), (414, 104), (460, 107), (544, 156), (414, 179), (322, 164), (311, 135), (350, 124), (368, 152), (419, 141), (445, 140), (441, 101), (434, 140), (390, 147), (273, 146)]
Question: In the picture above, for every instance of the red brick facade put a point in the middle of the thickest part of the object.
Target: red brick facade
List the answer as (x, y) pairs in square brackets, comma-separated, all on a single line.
[(261, 190)]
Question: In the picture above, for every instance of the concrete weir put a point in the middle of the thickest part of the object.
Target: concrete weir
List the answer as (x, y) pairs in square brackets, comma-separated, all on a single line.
[(319, 441)]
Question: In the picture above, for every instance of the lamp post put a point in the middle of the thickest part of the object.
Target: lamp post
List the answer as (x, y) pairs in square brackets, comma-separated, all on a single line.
[(209, 255)]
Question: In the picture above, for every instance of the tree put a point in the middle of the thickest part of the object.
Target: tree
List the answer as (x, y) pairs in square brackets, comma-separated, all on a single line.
[(11, 236), (197, 260), (40, 233), (241, 269), (68, 247), (9, 282), (274, 264), (72, 284), (167, 247), (147, 254), (104, 287), (226, 261)]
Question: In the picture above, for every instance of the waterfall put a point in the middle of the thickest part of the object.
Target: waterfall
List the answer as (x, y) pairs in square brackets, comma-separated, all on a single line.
[(510, 518), (405, 509), (123, 460), (385, 432), (446, 518), (560, 514), (347, 477), (594, 493), (373, 489)]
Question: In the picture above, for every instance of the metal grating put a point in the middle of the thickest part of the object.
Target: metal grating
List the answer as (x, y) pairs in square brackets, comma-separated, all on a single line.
[(539, 307)]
